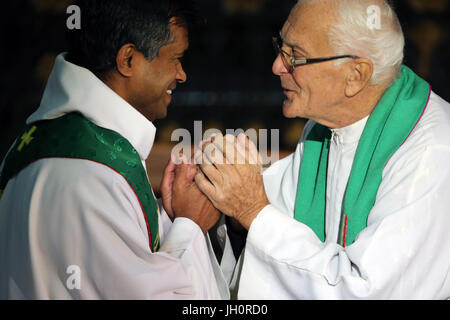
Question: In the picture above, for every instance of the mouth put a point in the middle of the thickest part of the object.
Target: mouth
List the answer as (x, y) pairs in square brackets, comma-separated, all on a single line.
[(170, 89), (168, 96), (288, 93)]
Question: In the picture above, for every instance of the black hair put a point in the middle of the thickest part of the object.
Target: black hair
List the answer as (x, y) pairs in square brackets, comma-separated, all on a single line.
[(107, 25)]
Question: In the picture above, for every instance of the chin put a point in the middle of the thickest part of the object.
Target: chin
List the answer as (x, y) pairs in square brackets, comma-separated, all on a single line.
[(162, 114), (157, 112), (289, 115), (159, 117), (296, 109), (289, 112)]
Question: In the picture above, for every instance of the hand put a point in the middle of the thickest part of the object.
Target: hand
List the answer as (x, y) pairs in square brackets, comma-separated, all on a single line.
[(166, 188), (231, 177), (189, 202)]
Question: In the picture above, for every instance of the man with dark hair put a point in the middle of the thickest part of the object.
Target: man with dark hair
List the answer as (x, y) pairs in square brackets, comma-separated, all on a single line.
[(78, 218)]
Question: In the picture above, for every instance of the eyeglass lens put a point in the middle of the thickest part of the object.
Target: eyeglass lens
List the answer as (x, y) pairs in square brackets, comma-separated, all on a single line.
[(277, 44)]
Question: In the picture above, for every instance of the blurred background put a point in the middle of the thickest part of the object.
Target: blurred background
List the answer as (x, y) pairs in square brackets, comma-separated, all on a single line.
[(230, 84)]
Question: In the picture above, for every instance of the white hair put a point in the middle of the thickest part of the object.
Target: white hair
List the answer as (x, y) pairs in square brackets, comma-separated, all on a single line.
[(377, 38)]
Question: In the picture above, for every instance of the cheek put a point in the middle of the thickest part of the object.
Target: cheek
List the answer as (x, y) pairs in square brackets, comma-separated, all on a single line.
[(315, 86), (304, 91), (153, 87), (146, 90), (163, 80), (308, 97)]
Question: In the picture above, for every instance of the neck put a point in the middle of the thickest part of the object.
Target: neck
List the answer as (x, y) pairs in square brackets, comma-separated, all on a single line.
[(355, 108), (115, 83)]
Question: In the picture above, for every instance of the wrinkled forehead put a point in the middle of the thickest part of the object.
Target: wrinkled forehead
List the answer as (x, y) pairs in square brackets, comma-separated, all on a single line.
[(309, 23)]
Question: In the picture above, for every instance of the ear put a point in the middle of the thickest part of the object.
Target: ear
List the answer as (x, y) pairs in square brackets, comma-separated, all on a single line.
[(358, 77), (124, 59)]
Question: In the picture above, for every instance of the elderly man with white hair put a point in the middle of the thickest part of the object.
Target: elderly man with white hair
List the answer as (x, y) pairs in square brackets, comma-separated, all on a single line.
[(361, 209)]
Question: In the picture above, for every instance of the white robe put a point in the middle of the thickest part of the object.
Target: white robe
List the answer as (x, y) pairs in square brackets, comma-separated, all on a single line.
[(404, 253), (67, 218)]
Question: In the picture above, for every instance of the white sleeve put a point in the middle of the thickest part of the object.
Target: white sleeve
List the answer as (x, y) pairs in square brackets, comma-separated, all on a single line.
[(402, 254), (164, 221), (98, 226)]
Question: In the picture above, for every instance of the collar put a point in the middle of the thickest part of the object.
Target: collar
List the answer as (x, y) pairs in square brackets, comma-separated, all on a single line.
[(72, 88), (351, 133)]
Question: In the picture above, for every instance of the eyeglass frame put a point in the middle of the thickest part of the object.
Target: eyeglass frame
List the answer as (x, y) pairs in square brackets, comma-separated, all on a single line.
[(301, 62)]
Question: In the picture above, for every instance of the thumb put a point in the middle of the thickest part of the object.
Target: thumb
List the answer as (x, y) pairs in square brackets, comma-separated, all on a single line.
[(168, 176), (191, 171), (184, 174)]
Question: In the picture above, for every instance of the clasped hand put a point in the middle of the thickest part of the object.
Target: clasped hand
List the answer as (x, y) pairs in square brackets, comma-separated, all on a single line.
[(226, 177), (182, 198), (230, 176)]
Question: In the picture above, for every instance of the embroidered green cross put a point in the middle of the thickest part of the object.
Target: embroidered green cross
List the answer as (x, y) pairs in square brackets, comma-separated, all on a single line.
[(26, 138)]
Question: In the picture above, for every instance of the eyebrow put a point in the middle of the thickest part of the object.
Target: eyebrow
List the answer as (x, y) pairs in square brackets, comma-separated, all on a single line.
[(292, 44)]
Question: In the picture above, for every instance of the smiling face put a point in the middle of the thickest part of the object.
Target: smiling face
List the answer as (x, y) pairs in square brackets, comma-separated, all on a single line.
[(155, 80), (314, 91)]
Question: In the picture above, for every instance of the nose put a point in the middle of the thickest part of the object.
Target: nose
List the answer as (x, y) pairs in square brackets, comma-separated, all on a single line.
[(278, 66), (181, 75)]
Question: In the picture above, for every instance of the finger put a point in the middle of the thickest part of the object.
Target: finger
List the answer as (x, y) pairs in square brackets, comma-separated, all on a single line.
[(168, 176), (230, 150), (243, 154), (212, 173), (242, 139), (200, 158), (210, 137), (213, 154), (191, 172), (182, 174), (184, 159), (230, 138), (227, 146), (252, 154), (242, 151), (204, 184), (209, 140), (179, 157), (215, 136), (203, 142), (166, 187), (170, 168)]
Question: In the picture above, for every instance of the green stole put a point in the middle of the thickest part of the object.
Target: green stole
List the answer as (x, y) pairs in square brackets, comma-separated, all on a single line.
[(74, 136), (389, 125)]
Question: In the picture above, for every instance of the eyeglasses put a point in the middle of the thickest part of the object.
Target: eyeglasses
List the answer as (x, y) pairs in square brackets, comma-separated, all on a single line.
[(291, 63)]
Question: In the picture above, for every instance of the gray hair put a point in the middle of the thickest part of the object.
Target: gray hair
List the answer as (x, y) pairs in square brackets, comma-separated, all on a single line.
[(380, 40)]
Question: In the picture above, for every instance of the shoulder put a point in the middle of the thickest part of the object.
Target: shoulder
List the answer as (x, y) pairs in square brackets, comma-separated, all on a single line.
[(428, 145), (433, 128), (72, 172), (81, 184), (82, 193)]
